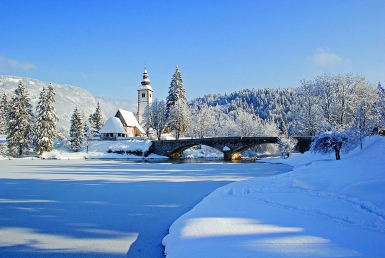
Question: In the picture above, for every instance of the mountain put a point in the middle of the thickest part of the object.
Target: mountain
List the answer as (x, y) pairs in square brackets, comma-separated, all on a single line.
[(67, 98), (111, 105)]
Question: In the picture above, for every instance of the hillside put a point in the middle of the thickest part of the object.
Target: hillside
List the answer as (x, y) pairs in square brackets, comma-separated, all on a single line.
[(111, 105), (67, 98)]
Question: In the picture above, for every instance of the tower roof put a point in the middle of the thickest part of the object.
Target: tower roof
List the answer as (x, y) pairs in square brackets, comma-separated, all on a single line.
[(145, 84)]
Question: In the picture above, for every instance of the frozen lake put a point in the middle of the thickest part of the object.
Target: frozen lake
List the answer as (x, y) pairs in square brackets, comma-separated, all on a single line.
[(78, 208)]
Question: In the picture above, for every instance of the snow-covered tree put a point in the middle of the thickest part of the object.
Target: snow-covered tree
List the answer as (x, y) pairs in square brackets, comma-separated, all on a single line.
[(202, 121), (380, 105), (19, 122), (154, 117), (286, 145), (269, 128), (46, 120), (76, 131), (334, 141), (179, 119), (247, 124), (86, 133), (282, 127), (62, 133), (362, 121), (307, 114), (3, 114), (326, 89), (176, 92), (96, 120)]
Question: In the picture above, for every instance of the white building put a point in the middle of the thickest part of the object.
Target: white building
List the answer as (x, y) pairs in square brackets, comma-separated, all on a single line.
[(122, 125), (144, 95)]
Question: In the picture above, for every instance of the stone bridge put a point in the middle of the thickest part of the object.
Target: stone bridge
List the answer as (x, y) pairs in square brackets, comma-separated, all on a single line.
[(235, 145)]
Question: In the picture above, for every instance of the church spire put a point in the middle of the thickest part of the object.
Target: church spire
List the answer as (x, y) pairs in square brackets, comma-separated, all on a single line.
[(144, 94), (146, 80)]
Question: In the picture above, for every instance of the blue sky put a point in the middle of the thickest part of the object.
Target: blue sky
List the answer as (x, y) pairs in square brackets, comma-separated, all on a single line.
[(219, 46)]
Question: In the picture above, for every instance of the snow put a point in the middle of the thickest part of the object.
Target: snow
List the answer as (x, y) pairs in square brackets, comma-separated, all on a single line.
[(105, 150), (145, 87), (323, 208), (130, 120), (102, 208), (11, 79), (112, 125)]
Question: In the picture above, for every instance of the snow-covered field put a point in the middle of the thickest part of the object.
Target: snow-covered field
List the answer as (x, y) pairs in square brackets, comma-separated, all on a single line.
[(323, 208), (102, 208), (74, 207)]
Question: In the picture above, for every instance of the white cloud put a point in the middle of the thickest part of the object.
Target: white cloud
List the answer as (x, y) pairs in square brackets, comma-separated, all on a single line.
[(15, 64), (324, 57), (20, 65)]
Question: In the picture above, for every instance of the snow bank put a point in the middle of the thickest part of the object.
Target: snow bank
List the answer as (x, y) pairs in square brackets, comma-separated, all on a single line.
[(122, 149), (323, 208)]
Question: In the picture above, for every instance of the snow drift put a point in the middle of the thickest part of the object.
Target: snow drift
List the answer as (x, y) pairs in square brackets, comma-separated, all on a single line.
[(323, 208)]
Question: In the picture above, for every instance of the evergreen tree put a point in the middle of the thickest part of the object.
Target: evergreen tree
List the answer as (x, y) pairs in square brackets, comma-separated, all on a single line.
[(19, 122), (176, 91), (3, 114), (76, 131), (96, 120), (282, 127), (46, 119)]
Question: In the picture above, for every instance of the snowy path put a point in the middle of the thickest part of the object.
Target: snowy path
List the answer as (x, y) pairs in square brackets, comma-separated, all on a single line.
[(77, 208)]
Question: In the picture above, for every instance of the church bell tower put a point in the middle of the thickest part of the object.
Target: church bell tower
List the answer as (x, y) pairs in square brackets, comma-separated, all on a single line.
[(144, 95)]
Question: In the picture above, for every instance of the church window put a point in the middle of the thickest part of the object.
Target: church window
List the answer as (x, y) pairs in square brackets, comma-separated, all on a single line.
[(143, 95)]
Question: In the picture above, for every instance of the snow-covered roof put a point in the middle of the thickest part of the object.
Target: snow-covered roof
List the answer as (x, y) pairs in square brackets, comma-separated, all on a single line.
[(112, 125), (145, 87), (130, 119)]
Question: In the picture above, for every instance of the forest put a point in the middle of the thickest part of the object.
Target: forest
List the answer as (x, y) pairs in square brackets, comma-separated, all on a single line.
[(342, 105)]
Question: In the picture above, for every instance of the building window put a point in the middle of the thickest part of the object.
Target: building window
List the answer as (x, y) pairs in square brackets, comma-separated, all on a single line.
[(143, 95)]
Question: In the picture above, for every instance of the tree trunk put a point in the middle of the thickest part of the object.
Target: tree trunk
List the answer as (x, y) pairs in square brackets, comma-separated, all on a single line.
[(338, 157), (337, 150)]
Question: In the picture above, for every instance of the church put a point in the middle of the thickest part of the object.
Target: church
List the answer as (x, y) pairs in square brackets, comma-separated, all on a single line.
[(124, 124)]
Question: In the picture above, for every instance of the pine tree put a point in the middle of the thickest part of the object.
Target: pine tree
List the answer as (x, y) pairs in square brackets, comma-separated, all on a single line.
[(76, 131), (3, 114), (96, 120), (19, 122), (176, 91), (46, 119), (282, 127)]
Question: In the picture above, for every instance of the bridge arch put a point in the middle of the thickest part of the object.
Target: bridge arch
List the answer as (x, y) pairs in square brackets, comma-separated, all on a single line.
[(236, 145), (178, 151)]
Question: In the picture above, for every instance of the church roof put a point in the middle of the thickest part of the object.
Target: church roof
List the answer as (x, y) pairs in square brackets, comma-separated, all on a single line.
[(130, 120), (112, 125), (145, 84), (145, 87)]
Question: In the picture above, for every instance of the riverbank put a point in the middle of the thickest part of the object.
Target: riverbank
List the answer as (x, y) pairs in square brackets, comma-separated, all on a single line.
[(323, 208)]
